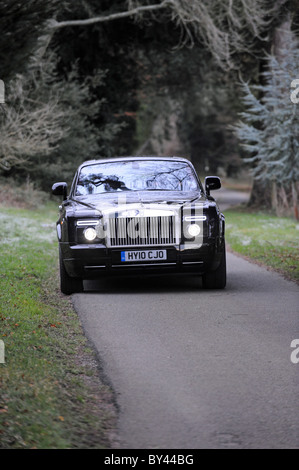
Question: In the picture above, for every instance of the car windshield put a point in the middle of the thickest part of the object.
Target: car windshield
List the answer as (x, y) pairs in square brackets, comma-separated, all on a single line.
[(136, 175)]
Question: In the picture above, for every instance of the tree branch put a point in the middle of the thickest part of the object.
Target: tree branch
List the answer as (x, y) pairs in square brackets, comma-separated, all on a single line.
[(114, 16)]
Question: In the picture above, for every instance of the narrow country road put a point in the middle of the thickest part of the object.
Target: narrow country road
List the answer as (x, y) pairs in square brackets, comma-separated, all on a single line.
[(196, 369), (227, 198)]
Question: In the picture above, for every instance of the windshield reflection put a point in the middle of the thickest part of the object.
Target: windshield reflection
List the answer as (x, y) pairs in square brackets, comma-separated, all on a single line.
[(135, 175)]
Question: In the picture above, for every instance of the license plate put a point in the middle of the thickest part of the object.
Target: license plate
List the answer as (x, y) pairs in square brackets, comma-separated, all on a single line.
[(147, 255)]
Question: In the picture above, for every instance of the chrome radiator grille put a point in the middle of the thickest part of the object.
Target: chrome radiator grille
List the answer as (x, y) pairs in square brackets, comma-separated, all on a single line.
[(140, 231)]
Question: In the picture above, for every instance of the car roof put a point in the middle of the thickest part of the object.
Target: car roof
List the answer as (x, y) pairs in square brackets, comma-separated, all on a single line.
[(135, 158)]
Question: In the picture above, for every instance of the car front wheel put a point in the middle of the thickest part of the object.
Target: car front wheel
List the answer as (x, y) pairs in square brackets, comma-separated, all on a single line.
[(216, 279), (68, 285)]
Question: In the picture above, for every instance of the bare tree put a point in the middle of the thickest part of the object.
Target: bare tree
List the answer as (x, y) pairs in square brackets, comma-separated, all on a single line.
[(28, 133), (32, 123), (223, 26)]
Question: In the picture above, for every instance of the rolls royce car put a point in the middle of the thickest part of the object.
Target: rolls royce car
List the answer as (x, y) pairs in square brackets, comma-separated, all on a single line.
[(139, 215)]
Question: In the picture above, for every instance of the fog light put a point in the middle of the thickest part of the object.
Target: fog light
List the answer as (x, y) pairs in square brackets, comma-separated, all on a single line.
[(90, 234), (193, 230)]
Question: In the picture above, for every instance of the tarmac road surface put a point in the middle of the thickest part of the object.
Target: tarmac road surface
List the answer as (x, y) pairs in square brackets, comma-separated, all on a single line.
[(196, 369), (227, 198)]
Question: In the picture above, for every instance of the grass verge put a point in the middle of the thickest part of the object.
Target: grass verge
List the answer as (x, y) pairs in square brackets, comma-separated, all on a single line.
[(51, 395), (268, 240)]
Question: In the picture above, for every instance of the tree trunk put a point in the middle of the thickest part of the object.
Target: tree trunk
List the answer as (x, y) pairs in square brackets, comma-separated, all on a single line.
[(274, 199), (285, 203), (260, 194)]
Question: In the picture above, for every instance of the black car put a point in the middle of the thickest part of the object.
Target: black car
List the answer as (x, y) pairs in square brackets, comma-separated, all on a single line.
[(139, 215)]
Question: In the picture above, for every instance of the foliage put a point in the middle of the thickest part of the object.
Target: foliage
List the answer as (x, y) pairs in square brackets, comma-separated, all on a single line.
[(31, 122), (269, 129), (24, 195), (224, 28), (210, 106), (146, 67), (184, 88), (47, 124), (104, 76), (113, 49), (21, 23)]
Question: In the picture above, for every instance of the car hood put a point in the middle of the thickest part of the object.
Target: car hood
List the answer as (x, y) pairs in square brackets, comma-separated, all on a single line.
[(116, 201)]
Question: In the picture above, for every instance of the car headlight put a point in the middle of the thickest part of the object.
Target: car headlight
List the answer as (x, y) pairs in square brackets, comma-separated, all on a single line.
[(193, 230), (90, 234), (85, 222), (194, 218)]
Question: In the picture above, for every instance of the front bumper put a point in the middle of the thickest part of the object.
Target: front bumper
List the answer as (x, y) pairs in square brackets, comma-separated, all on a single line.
[(94, 261)]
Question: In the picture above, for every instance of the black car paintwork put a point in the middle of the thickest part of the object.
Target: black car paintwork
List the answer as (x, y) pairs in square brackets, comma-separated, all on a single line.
[(87, 260)]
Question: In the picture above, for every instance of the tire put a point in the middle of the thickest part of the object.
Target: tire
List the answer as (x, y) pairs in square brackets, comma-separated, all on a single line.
[(216, 279), (68, 285)]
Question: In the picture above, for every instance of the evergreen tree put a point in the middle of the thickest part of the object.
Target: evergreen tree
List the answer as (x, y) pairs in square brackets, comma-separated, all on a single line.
[(47, 123), (21, 23), (269, 128)]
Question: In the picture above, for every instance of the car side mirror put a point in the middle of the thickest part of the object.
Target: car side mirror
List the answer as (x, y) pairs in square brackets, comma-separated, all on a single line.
[(60, 189), (212, 183)]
